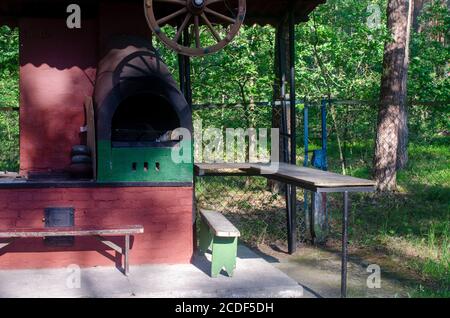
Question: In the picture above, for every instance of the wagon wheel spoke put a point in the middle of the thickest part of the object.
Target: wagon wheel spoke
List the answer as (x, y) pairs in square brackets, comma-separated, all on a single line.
[(211, 28), (209, 2), (171, 16), (182, 27), (180, 2), (220, 16)]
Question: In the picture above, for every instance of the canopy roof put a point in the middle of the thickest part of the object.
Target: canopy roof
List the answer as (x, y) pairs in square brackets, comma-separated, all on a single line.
[(258, 11)]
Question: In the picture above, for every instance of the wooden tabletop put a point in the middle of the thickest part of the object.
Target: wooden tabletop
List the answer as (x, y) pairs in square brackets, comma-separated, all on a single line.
[(308, 177), (205, 169)]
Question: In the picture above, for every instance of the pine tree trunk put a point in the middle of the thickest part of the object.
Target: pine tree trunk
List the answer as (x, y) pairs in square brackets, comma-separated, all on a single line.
[(418, 8), (391, 98)]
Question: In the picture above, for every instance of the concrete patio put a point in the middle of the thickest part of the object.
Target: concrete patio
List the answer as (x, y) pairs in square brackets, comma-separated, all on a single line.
[(254, 278)]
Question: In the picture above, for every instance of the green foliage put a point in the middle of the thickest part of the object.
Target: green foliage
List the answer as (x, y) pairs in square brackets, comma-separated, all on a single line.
[(9, 145), (430, 52), (9, 67), (338, 53), (9, 97), (242, 72)]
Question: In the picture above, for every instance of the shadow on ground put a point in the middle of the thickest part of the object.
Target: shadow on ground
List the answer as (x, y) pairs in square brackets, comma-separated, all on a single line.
[(318, 270)]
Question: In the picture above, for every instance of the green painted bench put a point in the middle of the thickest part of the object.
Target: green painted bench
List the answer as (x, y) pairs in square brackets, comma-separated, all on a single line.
[(219, 235)]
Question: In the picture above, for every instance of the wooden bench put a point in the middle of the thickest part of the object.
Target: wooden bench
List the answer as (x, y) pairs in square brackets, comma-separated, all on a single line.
[(97, 232), (219, 235)]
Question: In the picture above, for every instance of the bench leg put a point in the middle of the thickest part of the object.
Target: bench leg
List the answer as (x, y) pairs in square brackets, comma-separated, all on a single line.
[(224, 252), (126, 255), (5, 244), (205, 237)]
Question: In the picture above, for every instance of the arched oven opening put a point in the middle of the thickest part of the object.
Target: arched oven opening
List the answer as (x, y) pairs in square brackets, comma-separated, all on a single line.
[(144, 120)]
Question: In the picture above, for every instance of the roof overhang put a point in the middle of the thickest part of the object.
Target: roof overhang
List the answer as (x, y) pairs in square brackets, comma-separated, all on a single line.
[(262, 12)]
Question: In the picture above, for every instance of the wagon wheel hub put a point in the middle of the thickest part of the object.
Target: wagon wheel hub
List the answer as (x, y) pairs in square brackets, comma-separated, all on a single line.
[(196, 7), (190, 16)]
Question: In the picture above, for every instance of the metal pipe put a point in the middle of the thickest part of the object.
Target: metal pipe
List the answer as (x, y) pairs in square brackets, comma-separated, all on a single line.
[(305, 133), (324, 132), (184, 66), (292, 87), (325, 160), (305, 163), (344, 246), (187, 70), (181, 68), (188, 83)]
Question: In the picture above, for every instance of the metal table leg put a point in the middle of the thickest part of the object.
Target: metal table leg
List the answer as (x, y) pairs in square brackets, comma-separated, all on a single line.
[(291, 204), (344, 247)]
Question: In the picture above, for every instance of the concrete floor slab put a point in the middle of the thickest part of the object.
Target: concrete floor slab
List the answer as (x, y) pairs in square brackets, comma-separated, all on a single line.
[(319, 272), (254, 277)]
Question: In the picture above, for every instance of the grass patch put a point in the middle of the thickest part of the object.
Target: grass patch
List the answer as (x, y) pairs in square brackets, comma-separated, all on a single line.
[(415, 221)]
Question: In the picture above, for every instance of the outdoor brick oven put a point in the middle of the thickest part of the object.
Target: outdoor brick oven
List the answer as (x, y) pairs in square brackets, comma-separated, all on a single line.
[(137, 107), (138, 110)]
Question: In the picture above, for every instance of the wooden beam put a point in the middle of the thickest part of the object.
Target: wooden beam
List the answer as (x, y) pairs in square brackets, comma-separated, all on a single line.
[(110, 244)]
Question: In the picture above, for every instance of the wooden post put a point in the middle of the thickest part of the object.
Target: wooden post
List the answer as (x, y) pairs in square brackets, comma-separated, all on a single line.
[(292, 242)]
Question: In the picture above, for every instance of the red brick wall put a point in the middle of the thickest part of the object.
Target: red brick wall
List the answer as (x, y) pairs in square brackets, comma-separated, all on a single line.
[(165, 213)]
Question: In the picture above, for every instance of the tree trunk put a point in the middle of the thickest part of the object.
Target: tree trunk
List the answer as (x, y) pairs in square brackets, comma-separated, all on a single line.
[(392, 96), (418, 8), (403, 132)]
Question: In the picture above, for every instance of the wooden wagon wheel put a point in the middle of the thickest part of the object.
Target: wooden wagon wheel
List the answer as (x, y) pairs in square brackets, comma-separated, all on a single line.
[(196, 11)]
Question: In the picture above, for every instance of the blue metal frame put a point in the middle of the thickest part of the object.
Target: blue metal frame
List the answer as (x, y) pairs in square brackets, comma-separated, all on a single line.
[(323, 151)]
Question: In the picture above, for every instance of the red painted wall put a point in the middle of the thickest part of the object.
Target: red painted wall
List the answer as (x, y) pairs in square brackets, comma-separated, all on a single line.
[(57, 71), (165, 213), (57, 67)]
